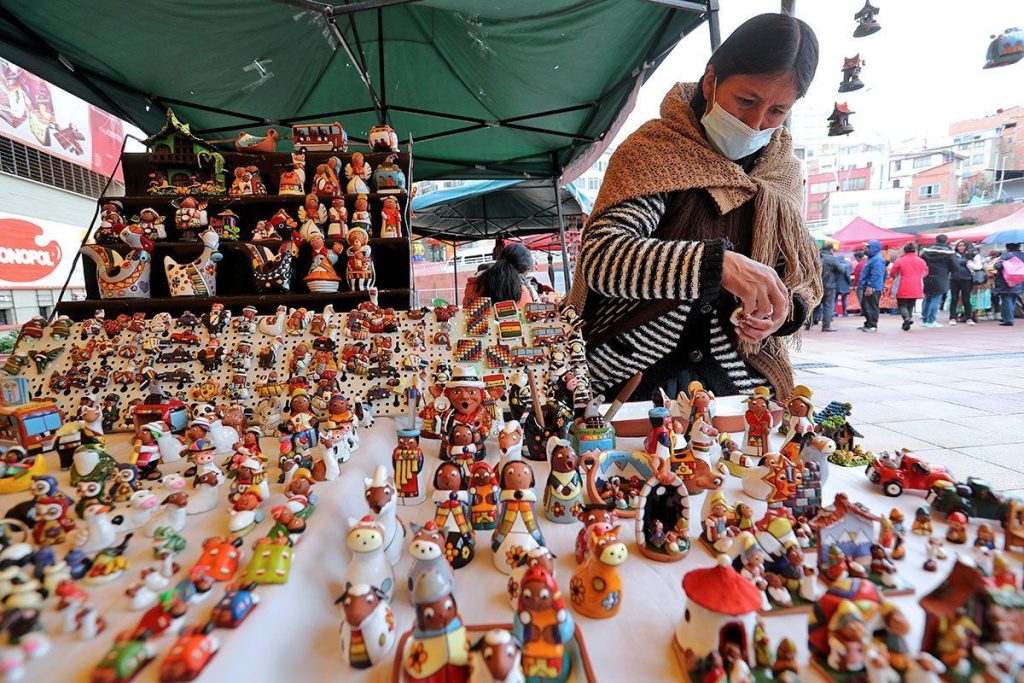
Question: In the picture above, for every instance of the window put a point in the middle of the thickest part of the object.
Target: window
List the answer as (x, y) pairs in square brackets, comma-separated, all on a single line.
[(897, 164), (5, 316), (978, 158), (979, 144), (896, 183), (45, 311), (821, 188), (854, 184), (963, 146), (923, 162), (927, 191)]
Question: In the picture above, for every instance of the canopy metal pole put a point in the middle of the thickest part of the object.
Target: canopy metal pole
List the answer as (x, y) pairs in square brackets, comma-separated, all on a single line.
[(561, 235), (716, 34), (455, 269)]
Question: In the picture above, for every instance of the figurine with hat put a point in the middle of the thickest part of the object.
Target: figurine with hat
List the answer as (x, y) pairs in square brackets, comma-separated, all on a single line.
[(300, 429), (359, 270), (438, 650), (545, 627), (758, 417), (322, 276), (407, 461), (465, 394), (799, 420)]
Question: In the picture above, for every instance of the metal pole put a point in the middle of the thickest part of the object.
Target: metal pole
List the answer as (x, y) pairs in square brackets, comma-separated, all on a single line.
[(561, 236), (455, 269), (789, 7), (716, 33)]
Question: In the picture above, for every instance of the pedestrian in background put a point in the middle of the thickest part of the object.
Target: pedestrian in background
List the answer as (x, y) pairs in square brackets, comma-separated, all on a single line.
[(870, 285), (966, 262), (1009, 283), (910, 269), (940, 260), (831, 272), (843, 284)]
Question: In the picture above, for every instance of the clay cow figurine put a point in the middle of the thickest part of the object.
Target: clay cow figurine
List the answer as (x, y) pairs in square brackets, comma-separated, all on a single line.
[(368, 631), (596, 588)]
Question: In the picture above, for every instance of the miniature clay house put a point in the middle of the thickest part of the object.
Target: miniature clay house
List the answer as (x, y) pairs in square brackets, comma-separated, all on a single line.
[(851, 74), (998, 614), (721, 608), (847, 525), (834, 423), (866, 22), (838, 120), (179, 155)]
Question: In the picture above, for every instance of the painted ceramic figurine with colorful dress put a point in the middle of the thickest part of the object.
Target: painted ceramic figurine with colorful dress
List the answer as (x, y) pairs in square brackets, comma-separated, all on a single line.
[(563, 495), (759, 422), (545, 628), (407, 461), (368, 631), (451, 501), (800, 412), (359, 270), (517, 533), (484, 493)]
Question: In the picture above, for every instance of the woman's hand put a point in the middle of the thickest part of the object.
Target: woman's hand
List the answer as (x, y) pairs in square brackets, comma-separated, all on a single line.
[(762, 295)]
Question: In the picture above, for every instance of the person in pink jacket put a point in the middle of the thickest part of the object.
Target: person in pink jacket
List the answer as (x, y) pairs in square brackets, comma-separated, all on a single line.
[(910, 269)]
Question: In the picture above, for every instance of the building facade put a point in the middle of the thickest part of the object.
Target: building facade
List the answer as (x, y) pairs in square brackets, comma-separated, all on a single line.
[(937, 186)]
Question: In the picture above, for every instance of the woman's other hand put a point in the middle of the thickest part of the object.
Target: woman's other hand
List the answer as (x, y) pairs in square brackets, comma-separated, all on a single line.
[(762, 295)]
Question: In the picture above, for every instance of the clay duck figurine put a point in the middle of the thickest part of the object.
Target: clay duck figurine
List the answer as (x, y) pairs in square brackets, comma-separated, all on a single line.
[(273, 272), (198, 277), (123, 277), (246, 142)]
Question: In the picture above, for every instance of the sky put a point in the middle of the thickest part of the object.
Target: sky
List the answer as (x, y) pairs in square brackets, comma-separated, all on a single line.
[(922, 70)]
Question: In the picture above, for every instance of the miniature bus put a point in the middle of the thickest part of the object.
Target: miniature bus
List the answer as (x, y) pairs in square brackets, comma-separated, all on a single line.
[(319, 137), (30, 425)]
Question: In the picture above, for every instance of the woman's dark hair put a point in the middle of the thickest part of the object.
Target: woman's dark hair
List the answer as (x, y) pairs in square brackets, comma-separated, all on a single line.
[(768, 44), (502, 281), (909, 248)]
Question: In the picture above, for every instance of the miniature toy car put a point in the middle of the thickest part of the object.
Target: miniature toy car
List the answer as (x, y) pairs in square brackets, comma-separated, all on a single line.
[(160, 618), (546, 336), (899, 471), (235, 606), (189, 655), (179, 375), (542, 310), (220, 556), (975, 498), (381, 371), (125, 658), (185, 337), (377, 394), (176, 355)]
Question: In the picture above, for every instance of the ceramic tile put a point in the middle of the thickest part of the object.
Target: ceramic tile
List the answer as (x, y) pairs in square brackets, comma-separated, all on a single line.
[(929, 408), (948, 434)]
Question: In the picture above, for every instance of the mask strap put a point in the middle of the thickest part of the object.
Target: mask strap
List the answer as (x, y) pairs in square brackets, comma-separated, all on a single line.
[(714, 93)]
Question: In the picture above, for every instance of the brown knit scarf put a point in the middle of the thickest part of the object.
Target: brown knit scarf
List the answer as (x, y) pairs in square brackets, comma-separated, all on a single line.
[(671, 154)]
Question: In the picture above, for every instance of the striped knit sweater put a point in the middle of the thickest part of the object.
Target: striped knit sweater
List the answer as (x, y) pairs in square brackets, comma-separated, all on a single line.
[(626, 268)]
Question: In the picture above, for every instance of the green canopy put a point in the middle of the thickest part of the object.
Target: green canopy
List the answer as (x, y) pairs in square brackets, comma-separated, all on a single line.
[(520, 88)]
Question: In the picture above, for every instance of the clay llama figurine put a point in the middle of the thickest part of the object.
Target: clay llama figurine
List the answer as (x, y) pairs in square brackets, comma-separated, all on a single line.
[(383, 502), (497, 658), (368, 630), (596, 588), (427, 551), (517, 533), (368, 565), (563, 495)]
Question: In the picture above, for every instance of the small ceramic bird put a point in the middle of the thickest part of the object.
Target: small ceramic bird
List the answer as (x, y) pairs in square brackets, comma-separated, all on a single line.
[(247, 142), (273, 272)]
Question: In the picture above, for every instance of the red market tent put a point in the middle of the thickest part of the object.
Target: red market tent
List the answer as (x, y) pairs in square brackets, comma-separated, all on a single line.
[(976, 233), (858, 231)]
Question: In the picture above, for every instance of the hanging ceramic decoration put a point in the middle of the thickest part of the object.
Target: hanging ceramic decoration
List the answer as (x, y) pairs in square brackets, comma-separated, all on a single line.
[(359, 271), (199, 277), (383, 139), (123, 277), (273, 272), (1005, 49), (838, 120), (663, 515), (389, 177), (866, 23), (851, 74)]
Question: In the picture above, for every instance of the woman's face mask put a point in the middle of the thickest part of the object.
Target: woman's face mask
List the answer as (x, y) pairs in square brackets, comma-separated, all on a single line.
[(729, 136)]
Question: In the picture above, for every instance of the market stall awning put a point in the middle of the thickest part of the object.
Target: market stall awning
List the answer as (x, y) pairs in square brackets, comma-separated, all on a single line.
[(485, 89), (977, 233), (495, 208), (858, 231)]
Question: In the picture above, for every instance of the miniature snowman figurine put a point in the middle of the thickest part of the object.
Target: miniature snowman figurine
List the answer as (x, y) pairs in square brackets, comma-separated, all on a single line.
[(368, 565), (517, 533)]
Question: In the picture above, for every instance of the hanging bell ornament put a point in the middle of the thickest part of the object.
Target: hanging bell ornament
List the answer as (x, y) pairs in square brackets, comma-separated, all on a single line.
[(851, 74), (1005, 49), (838, 123), (865, 18)]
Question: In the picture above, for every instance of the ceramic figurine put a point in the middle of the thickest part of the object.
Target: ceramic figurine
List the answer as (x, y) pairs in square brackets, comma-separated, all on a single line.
[(461, 445), (407, 462), (465, 394), (759, 422), (361, 214), (141, 507), (52, 520), (553, 418), (538, 557), (663, 515), (957, 528), (357, 172), (293, 179), (79, 616), (198, 277), (171, 514), (1003, 575), (518, 532), (123, 277), (510, 442), (545, 627), (111, 222), (245, 511), (383, 503), (800, 421), (427, 549), (719, 522), (151, 223), (498, 658), (359, 271), (900, 470), (204, 493), (563, 495), (438, 649), (383, 138), (922, 525), (391, 219), (273, 272), (337, 219), (190, 217), (109, 564), (92, 467), (596, 588), (389, 177), (368, 629), (322, 277), (451, 500), (986, 537), (483, 492), (126, 482), (271, 562), (368, 564)]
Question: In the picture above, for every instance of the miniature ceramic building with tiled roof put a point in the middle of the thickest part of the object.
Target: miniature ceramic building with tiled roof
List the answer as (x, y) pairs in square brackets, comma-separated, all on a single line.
[(848, 525)]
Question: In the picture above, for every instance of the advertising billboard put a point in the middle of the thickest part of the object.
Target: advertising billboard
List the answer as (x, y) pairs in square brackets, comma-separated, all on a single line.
[(38, 254)]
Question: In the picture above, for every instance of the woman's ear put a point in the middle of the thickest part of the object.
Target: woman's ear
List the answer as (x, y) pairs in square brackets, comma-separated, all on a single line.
[(708, 85)]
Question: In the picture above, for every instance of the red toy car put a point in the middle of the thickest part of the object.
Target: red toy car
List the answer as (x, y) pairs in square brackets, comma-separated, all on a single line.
[(220, 557), (189, 655), (895, 472), (160, 618), (186, 337)]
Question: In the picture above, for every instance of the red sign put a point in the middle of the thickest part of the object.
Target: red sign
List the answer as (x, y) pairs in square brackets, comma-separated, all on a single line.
[(23, 256), (107, 136)]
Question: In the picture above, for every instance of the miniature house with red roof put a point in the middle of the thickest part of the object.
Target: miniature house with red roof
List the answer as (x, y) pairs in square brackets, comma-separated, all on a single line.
[(721, 609), (838, 120), (847, 525)]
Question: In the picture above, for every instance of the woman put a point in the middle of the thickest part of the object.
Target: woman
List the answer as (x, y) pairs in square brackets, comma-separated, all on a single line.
[(506, 278), (910, 269), (699, 214), (843, 285), (1008, 293), (961, 280)]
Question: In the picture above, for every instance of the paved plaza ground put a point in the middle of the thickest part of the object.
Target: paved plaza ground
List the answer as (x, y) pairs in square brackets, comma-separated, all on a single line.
[(955, 395)]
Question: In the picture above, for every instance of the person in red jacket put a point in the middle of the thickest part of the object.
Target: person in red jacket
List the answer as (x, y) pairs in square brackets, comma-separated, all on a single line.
[(910, 269)]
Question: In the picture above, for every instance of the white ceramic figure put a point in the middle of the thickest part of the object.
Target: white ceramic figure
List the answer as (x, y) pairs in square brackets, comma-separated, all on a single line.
[(145, 593), (368, 565), (204, 494), (497, 658), (172, 514), (99, 532), (368, 615), (198, 277), (383, 501)]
